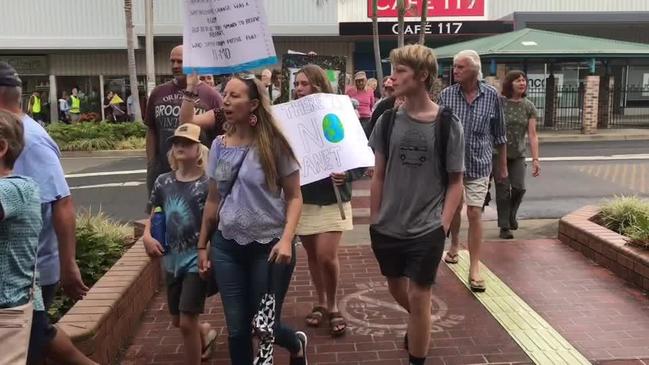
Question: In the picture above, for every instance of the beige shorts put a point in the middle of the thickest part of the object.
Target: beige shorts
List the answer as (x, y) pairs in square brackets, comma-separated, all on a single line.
[(319, 219), (475, 191)]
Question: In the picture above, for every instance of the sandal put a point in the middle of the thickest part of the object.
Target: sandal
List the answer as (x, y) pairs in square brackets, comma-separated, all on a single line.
[(337, 324), (316, 316), (208, 350), (451, 258), (477, 286)]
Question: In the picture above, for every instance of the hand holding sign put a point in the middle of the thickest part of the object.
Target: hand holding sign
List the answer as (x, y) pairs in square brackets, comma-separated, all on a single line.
[(226, 36), (325, 135)]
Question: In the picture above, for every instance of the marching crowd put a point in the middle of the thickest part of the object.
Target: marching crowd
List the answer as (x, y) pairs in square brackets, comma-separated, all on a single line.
[(228, 183)]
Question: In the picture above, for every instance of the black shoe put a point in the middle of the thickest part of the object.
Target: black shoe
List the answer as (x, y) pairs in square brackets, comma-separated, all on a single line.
[(301, 336), (513, 224), (506, 234)]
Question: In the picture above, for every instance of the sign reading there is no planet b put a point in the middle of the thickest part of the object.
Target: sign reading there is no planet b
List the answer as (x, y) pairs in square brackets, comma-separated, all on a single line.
[(325, 135), (226, 36)]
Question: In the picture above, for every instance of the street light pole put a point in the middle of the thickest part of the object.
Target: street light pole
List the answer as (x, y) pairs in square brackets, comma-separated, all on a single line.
[(150, 62)]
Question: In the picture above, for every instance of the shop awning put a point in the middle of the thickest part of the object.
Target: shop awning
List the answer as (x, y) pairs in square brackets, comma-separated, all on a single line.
[(533, 43)]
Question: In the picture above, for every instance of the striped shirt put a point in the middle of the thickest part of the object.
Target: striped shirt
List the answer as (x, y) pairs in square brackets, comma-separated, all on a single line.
[(484, 126)]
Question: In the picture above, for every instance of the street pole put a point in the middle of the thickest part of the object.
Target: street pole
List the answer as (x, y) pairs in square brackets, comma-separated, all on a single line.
[(150, 62)]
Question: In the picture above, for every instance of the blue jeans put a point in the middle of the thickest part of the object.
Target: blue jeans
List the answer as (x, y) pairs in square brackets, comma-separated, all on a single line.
[(242, 274)]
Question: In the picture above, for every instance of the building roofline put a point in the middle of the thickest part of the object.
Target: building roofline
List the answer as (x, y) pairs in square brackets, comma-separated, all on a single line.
[(521, 19)]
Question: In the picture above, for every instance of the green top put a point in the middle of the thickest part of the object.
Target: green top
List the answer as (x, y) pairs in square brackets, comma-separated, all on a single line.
[(517, 116), (19, 230), (322, 193)]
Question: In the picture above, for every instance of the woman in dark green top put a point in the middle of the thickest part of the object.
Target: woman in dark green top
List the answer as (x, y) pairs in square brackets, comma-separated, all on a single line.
[(520, 116), (321, 225)]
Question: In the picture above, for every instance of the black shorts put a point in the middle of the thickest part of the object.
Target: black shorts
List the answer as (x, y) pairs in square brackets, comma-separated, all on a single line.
[(186, 294), (42, 334), (416, 259)]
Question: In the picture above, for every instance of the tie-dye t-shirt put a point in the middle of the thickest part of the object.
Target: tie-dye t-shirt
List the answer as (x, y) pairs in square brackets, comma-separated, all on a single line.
[(183, 203)]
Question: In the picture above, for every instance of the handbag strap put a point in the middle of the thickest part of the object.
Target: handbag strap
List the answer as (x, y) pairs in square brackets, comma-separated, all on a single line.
[(236, 177)]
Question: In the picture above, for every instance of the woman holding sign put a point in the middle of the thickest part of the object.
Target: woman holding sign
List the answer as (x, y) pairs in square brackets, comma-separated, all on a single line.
[(252, 209), (323, 222)]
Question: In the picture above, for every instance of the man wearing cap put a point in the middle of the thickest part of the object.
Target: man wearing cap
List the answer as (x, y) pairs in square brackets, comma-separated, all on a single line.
[(162, 116), (40, 160), (365, 98)]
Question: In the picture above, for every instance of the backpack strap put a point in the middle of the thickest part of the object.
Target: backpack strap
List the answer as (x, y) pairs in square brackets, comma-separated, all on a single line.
[(387, 125), (443, 132)]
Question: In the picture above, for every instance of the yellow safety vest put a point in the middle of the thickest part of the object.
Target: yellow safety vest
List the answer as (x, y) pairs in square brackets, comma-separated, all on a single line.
[(75, 108), (36, 107)]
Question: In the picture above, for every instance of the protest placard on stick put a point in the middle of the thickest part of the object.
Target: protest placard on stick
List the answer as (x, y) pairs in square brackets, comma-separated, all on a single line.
[(325, 134), (226, 36)]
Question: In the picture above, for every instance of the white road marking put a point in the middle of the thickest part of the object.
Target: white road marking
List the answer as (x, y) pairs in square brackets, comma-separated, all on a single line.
[(106, 173), (109, 185), (642, 156)]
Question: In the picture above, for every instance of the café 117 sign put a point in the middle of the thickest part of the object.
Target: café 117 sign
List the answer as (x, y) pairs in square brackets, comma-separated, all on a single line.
[(436, 8)]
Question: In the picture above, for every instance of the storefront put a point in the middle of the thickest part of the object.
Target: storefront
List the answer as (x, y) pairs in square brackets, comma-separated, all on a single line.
[(59, 45), (451, 22)]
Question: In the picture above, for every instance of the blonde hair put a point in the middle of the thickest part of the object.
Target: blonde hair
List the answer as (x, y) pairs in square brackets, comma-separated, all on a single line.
[(203, 153), (419, 58), (474, 59), (271, 143), (372, 83), (12, 133)]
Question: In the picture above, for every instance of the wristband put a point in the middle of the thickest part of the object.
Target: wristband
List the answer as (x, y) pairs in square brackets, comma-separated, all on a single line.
[(190, 99), (202, 248)]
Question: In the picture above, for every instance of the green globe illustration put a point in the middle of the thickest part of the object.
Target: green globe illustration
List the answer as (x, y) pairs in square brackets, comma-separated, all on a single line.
[(333, 128)]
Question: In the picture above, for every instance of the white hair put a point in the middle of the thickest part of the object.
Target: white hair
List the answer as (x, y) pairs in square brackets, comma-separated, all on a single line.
[(473, 58)]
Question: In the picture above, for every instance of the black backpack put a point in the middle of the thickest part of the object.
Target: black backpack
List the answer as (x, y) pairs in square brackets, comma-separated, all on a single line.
[(443, 130)]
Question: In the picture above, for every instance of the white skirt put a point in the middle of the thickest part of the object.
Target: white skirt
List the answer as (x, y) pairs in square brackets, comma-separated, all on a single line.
[(324, 218)]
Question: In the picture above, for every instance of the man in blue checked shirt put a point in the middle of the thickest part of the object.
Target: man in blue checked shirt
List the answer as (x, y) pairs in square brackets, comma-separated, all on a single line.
[(478, 107)]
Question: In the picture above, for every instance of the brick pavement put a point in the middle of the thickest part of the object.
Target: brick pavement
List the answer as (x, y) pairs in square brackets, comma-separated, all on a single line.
[(598, 313)]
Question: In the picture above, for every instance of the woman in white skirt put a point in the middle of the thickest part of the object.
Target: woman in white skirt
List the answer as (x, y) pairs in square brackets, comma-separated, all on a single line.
[(321, 226)]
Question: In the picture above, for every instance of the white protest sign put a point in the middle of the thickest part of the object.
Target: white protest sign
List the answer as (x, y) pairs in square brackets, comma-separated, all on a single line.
[(226, 36), (325, 134)]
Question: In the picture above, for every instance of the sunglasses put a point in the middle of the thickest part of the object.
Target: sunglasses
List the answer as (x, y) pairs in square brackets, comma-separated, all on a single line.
[(246, 76)]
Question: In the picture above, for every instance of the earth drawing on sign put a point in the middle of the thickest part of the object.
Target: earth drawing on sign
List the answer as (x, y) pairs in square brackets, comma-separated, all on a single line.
[(333, 128)]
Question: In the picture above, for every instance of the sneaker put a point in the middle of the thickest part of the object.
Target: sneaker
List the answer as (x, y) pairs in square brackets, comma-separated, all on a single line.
[(506, 234), (301, 336)]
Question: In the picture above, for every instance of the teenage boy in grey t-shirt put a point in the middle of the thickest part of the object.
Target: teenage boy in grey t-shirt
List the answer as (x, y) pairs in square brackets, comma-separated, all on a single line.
[(414, 193)]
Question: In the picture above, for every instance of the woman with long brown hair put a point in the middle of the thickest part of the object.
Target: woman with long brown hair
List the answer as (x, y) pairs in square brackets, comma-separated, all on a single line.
[(252, 209), (520, 118), (321, 225)]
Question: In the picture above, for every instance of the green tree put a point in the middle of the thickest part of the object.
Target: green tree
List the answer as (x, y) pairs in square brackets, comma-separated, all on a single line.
[(132, 71)]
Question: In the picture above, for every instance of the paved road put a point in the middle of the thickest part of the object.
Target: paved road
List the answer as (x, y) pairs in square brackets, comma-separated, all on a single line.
[(563, 186)]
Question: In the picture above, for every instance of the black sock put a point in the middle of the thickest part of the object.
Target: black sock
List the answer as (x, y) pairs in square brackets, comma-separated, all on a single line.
[(417, 360)]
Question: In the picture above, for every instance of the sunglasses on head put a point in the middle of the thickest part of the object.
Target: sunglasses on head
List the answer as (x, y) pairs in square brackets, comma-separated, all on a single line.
[(246, 76)]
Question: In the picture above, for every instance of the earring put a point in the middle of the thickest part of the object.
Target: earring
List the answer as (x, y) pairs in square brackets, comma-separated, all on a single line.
[(252, 120)]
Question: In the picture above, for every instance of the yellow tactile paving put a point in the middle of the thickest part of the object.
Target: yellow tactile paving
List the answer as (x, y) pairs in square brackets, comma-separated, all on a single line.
[(634, 176), (542, 343)]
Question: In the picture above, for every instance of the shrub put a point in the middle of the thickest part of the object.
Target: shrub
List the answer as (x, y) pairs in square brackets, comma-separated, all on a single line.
[(629, 216), (97, 136), (101, 241)]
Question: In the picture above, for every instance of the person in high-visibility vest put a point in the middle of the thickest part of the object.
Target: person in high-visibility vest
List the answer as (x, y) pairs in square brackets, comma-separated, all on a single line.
[(75, 106), (35, 107)]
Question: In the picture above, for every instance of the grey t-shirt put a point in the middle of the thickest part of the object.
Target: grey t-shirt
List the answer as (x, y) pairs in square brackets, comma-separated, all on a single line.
[(251, 212), (413, 195)]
